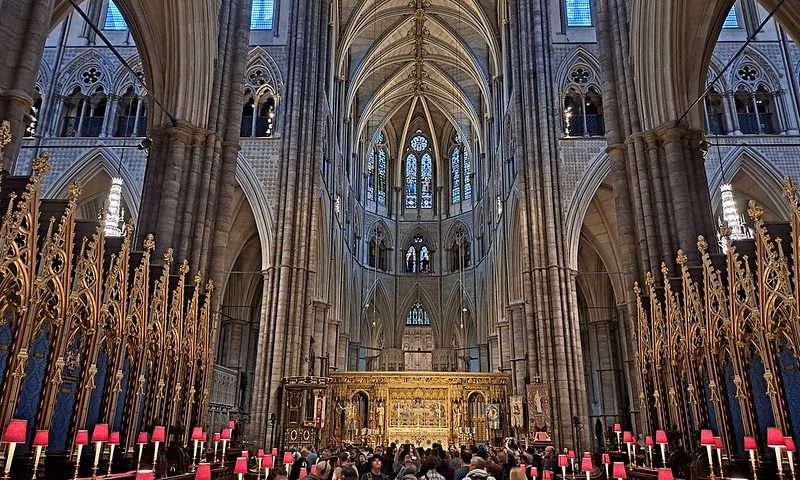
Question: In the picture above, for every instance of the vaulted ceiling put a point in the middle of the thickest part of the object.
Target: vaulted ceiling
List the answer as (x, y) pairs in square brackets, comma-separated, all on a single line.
[(407, 58)]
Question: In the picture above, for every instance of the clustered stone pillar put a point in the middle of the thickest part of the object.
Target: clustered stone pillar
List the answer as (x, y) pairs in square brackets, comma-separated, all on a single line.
[(24, 25)]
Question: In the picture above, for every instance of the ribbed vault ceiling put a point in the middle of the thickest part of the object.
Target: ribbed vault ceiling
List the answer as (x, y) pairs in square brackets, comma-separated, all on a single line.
[(431, 57)]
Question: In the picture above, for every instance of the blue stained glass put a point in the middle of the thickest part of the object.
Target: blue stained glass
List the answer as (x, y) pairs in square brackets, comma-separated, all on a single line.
[(419, 143), (382, 176), (455, 174), (417, 316), (426, 182), (732, 20), (411, 181), (579, 14), (467, 179), (114, 20), (371, 175), (261, 14)]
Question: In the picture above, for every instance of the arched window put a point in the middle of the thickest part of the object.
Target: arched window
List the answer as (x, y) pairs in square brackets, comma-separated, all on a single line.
[(755, 102), (732, 20), (460, 257), (417, 315), (32, 119), (378, 252), (114, 20), (131, 115), (418, 257), (262, 14), (583, 104), (419, 173), (715, 113), (258, 115), (460, 174), (83, 116), (376, 170), (579, 13)]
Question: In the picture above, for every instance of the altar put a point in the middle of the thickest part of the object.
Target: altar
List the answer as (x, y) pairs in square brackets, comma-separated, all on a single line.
[(422, 408)]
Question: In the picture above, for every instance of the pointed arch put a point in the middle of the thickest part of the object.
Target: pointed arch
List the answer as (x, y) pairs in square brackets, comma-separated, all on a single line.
[(578, 57), (254, 192), (417, 294), (584, 191)]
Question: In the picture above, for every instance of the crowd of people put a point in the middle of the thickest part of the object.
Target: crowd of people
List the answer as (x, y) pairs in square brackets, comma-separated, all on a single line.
[(406, 462)]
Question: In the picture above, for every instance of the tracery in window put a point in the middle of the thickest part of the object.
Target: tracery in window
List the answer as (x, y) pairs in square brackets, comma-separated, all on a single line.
[(755, 102), (258, 113), (715, 113), (460, 174), (579, 13), (418, 257), (376, 170), (417, 315), (114, 20), (460, 257), (583, 105), (419, 173), (261, 15), (84, 116), (131, 115), (378, 251)]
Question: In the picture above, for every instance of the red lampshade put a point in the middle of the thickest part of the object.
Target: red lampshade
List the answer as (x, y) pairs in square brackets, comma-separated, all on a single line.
[(547, 475), (268, 461), (246, 454), (287, 458), (231, 424), (707, 437), (41, 438), (775, 438), (718, 442), (790, 446), (606, 459), (534, 472), (571, 454), (665, 474), (586, 464), (619, 470), (203, 472), (522, 467), (648, 440), (159, 434), (100, 433), (216, 437), (260, 453), (16, 431), (241, 465), (562, 460), (274, 452), (313, 469), (627, 437), (750, 443), (303, 472), (113, 439), (144, 475), (142, 438), (661, 437), (82, 437), (197, 433), (617, 427), (225, 434)]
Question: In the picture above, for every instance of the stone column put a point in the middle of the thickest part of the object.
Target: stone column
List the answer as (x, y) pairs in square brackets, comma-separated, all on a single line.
[(109, 121), (24, 26)]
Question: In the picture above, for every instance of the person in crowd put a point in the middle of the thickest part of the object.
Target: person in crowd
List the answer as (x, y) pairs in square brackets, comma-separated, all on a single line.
[(362, 466), (429, 469), (550, 459), (517, 474), (349, 473), (461, 471), (344, 462), (408, 472), (445, 469), (375, 471), (477, 470), (324, 470), (301, 461)]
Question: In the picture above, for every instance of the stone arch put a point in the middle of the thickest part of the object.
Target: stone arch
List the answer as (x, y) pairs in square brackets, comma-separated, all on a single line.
[(585, 190), (73, 77), (382, 333), (751, 57), (416, 294), (579, 58), (466, 336), (260, 59), (381, 224), (100, 159), (672, 42), (765, 177), (124, 79), (257, 197)]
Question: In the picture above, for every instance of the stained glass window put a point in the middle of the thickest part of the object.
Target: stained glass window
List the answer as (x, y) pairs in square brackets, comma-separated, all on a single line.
[(455, 174), (467, 172), (426, 182), (417, 316), (261, 14), (732, 20), (371, 175), (579, 14), (382, 175), (114, 20), (411, 181), (411, 259), (419, 143)]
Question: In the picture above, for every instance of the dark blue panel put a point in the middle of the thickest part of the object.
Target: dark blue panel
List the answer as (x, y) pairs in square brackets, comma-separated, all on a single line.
[(712, 416), (5, 341), (791, 385), (65, 400), (764, 417), (126, 367), (736, 412), (32, 383), (97, 394)]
